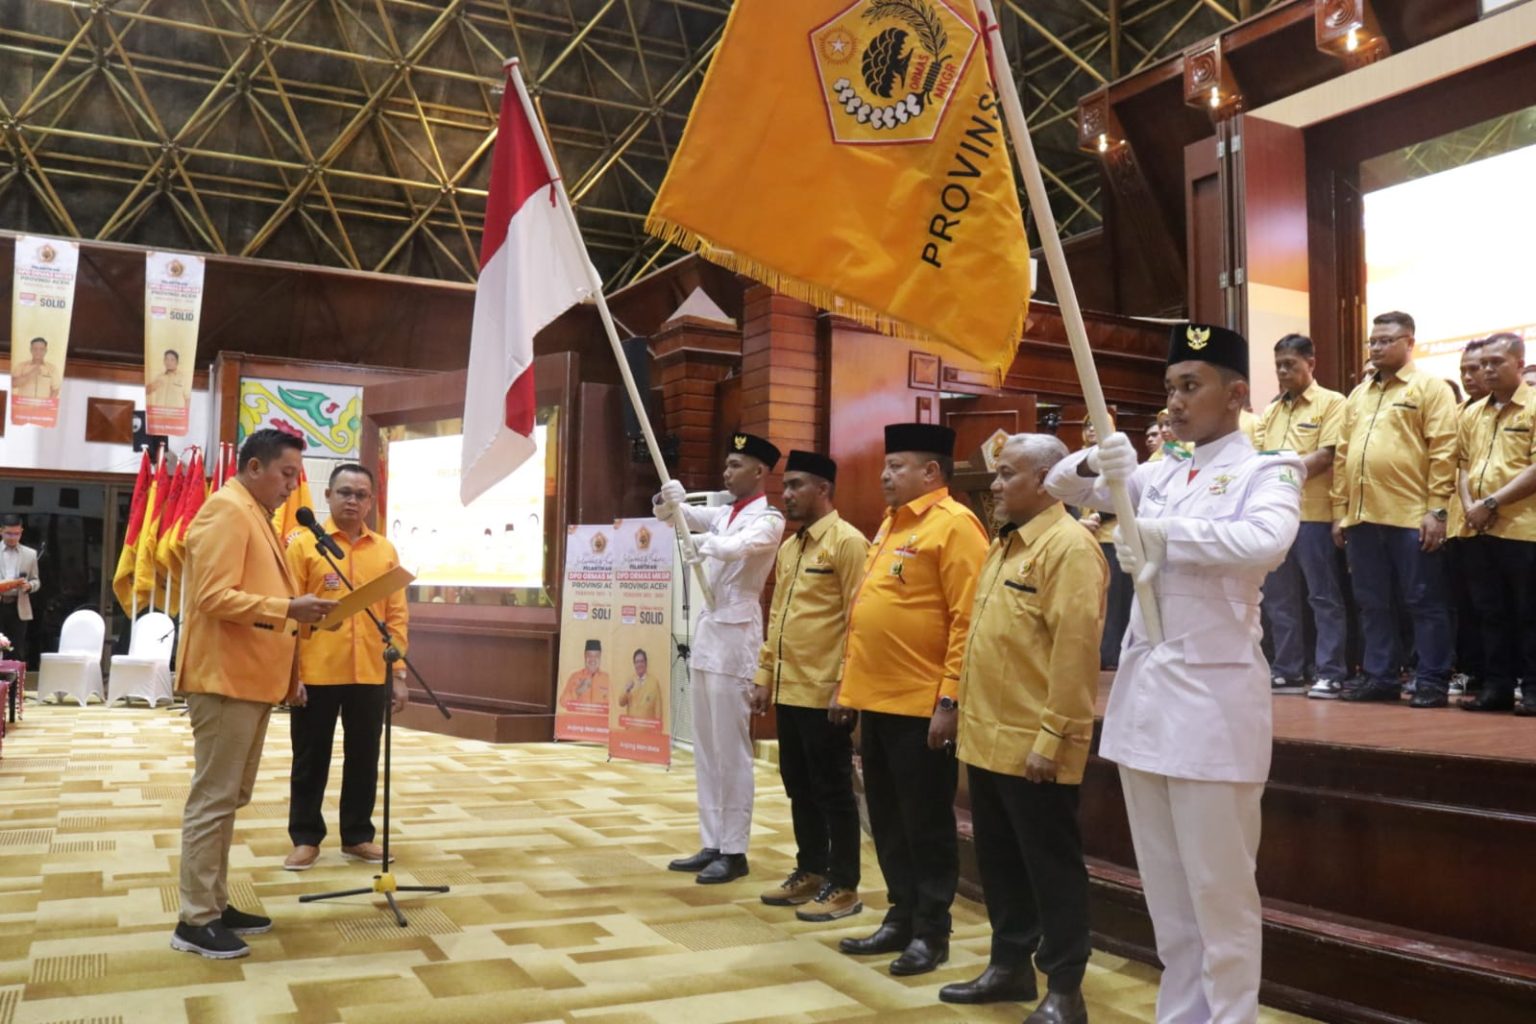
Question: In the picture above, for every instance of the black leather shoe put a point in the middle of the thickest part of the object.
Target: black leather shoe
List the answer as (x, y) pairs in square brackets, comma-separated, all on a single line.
[(1425, 699), (1060, 1008), (725, 868), (888, 938), (996, 985), (1488, 702), (698, 862), (1524, 710), (1387, 693), (921, 956)]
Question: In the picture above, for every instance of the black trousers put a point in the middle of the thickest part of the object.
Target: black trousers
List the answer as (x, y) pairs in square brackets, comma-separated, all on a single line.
[(15, 629), (1503, 577), (910, 791), (816, 764), (1117, 610), (1032, 875), (361, 708), (1469, 632)]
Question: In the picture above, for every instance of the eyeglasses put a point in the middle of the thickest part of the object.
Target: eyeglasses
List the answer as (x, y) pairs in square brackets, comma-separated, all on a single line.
[(348, 494)]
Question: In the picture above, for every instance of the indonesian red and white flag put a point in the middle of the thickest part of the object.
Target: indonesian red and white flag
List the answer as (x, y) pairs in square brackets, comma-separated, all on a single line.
[(533, 267)]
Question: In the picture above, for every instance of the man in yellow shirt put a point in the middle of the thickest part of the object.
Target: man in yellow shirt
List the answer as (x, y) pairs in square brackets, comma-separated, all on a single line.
[(641, 697), (1394, 477), (35, 379), (169, 391), (818, 569), (1496, 455), (1306, 419), (343, 675), (1469, 664), (1026, 721), (234, 662), (590, 684), (906, 641)]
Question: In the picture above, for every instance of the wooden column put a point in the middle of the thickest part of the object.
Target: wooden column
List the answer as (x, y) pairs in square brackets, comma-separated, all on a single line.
[(692, 357), (784, 374)]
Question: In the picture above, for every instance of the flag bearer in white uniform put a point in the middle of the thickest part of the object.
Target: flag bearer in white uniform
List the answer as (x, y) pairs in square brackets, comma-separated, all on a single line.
[(1189, 719), (737, 544)]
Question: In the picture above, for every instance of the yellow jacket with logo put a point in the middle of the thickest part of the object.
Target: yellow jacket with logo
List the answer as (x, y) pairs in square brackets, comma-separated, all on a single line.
[(1305, 424), (817, 572), (1495, 445), (1032, 662), (1396, 457)]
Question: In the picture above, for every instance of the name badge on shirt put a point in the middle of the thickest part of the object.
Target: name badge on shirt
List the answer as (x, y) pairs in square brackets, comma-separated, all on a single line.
[(332, 581), (1220, 484)]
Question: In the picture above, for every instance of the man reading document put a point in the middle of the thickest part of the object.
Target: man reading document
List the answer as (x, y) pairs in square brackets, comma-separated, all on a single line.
[(237, 659)]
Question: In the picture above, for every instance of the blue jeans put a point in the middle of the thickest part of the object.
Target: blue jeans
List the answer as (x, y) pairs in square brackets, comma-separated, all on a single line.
[(1313, 561), (1386, 560)]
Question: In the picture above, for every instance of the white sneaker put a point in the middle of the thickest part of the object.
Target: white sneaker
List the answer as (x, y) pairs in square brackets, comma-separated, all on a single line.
[(1326, 689), (1458, 685)]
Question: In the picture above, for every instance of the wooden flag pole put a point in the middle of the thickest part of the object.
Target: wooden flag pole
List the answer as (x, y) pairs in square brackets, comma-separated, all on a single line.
[(684, 537), (1066, 295)]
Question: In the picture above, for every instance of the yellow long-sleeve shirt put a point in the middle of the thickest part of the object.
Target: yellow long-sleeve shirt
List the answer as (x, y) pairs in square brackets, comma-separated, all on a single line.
[(353, 653), (817, 572), (1495, 445), (1032, 661), (910, 617), (1305, 424), (1396, 457)]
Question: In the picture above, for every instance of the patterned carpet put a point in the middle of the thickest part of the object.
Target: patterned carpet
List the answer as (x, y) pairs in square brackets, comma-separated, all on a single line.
[(560, 909)]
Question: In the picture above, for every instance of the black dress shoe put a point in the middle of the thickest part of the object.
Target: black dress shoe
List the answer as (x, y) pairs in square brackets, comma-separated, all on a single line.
[(1387, 693), (888, 938), (996, 985), (921, 956), (1424, 699), (1524, 710), (725, 868), (1060, 1008), (698, 862), (1486, 701)]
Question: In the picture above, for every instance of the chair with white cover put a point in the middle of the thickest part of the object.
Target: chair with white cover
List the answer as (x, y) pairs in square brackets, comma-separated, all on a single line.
[(75, 670), (144, 673)]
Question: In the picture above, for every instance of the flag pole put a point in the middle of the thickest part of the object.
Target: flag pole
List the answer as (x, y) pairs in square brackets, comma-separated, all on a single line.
[(683, 535), (1066, 295)]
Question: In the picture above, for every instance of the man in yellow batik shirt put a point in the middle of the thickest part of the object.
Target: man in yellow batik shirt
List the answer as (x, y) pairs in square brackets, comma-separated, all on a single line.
[(342, 671), (1496, 455), (1394, 477), (818, 569), (906, 640), (1026, 720), (1306, 419)]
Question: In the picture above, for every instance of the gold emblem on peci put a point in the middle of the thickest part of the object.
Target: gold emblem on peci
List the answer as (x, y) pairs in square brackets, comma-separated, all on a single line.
[(739, 442), (1198, 337)]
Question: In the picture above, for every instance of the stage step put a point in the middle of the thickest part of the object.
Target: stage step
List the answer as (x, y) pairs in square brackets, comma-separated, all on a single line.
[(1338, 968)]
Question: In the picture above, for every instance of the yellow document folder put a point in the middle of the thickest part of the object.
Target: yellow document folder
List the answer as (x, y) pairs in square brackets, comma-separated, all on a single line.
[(370, 593)]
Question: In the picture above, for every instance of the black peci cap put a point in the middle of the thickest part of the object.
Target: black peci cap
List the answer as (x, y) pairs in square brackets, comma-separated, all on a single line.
[(594, 645), (919, 437), (759, 448), (1208, 344), (810, 462)]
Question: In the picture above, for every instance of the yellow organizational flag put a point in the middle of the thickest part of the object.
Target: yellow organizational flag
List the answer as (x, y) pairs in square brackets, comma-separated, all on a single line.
[(857, 160), (286, 519)]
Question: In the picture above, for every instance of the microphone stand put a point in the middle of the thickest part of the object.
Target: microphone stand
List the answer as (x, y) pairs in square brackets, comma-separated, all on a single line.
[(384, 883)]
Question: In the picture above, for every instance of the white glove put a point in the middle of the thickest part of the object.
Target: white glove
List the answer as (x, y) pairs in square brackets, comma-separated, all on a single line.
[(695, 552), (665, 504), (1114, 458), (1154, 548)]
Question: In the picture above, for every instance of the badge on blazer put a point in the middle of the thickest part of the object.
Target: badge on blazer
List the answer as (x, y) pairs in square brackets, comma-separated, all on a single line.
[(1289, 476), (332, 581), (1220, 484)]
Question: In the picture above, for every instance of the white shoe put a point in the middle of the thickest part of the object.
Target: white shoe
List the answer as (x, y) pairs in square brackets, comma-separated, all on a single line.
[(1458, 685), (1326, 689)]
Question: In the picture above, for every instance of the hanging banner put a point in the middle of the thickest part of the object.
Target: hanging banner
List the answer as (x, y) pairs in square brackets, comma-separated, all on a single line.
[(173, 300), (42, 299), (587, 651), (639, 718)]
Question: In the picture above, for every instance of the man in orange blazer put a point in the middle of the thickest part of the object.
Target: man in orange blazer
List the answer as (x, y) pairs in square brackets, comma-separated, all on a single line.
[(237, 659)]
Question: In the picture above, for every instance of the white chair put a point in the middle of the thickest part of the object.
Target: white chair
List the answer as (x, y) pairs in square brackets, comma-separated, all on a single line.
[(75, 671), (144, 673)]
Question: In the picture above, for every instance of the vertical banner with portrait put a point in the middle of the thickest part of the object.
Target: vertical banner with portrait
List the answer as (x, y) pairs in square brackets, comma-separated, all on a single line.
[(42, 300), (173, 301), (587, 665), (639, 719)]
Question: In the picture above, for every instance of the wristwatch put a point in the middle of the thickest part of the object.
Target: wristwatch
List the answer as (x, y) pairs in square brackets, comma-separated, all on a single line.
[(1439, 513), (948, 704), (1491, 503)]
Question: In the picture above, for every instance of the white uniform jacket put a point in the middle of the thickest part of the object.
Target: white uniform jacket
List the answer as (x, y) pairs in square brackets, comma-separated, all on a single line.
[(739, 556), (1197, 706)]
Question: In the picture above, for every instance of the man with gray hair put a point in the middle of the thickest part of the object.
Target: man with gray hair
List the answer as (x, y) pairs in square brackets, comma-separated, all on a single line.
[(1027, 692)]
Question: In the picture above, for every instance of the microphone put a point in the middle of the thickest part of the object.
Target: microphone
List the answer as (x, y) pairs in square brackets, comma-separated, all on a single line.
[(306, 518)]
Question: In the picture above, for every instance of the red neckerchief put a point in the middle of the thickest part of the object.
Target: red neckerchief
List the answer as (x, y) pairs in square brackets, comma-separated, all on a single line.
[(739, 505)]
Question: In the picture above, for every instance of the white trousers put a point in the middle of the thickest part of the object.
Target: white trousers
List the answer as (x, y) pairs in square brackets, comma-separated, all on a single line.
[(1197, 846), (722, 758)]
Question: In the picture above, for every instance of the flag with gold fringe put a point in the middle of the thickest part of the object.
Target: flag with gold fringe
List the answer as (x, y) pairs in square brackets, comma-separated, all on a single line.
[(854, 157)]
